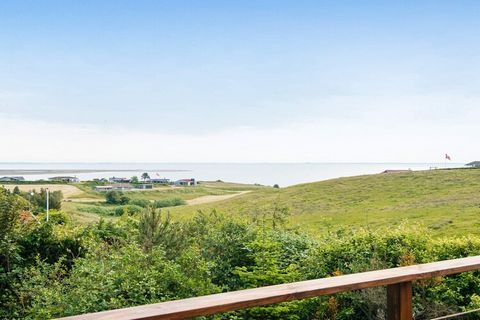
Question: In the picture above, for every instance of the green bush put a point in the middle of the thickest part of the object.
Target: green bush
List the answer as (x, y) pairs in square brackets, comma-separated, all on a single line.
[(116, 197), (141, 202), (97, 209), (172, 202), (127, 209), (54, 217), (39, 199), (148, 258), (107, 279)]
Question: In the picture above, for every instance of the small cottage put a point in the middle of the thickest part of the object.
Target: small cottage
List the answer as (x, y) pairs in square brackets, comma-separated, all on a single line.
[(474, 164), (185, 182), (12, 179), (64, 179)]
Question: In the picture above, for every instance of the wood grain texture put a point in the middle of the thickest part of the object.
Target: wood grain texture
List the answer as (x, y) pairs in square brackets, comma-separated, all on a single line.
[(399, 301), (229, 301)]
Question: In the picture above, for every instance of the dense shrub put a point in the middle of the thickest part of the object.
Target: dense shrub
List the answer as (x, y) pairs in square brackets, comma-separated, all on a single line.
[(107, 279), (96, 209), (38, 200), (10, 210), (50, 243), (116, 197), (147, 258), (169, 203), (141, 202), (111, 233), (128, 209)]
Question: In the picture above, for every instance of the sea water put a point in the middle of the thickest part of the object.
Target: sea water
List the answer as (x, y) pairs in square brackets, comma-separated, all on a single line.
[(283, 174)]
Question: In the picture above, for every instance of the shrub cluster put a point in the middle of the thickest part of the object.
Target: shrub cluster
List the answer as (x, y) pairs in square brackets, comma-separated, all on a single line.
[(116, 197), (129, 209), (173, 202), (148, 258), (38, 200)]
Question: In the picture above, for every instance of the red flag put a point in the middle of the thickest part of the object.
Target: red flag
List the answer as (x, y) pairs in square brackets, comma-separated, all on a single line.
[(447, 157)]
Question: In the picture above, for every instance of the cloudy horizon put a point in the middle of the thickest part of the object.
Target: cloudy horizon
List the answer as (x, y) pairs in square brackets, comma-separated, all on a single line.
[(243, 82)]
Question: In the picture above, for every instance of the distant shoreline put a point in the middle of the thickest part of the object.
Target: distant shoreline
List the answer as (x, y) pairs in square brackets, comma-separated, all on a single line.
[(72, 171)]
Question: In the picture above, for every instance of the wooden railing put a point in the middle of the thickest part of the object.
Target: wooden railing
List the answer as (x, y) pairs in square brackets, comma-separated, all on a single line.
[(397, 280)]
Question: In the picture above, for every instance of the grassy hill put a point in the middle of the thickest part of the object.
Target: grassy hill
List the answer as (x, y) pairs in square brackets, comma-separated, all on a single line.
[(446, 201)]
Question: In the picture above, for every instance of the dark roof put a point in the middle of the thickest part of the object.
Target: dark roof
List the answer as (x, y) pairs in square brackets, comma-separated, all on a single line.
[(12, 178), (63, 177), (122, 185), (473, 163)]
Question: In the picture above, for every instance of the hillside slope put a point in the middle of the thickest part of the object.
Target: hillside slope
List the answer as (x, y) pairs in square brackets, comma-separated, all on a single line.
[(447, 201)]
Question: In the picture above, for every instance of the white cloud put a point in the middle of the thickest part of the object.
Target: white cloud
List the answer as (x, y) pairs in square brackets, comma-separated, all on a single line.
[(375, 140)]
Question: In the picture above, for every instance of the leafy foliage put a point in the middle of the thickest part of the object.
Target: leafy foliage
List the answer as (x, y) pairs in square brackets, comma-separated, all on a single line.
[(128, 209), (134, 179), (172, 202), (145, 176), (39, 199), (59, 269), (141, 202), (116, 197)]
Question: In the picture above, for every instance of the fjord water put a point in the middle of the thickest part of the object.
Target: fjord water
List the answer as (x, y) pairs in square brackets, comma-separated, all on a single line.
[(284, 174)]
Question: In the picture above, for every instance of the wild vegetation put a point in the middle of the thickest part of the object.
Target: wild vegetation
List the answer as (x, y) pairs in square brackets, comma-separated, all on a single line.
[(87, 205), (38, 200), (444, 201), (146, 255)]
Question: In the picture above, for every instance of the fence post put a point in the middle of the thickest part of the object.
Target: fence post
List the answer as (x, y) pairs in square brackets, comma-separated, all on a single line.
[(399, 301)]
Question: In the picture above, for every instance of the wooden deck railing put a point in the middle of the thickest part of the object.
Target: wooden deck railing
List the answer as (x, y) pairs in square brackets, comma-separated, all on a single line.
[(397, 280)]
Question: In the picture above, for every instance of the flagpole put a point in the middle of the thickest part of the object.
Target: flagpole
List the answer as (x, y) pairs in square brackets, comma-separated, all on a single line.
[(48, 202)]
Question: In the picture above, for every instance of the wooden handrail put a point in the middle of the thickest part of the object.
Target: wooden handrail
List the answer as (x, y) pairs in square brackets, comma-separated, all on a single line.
[(398, 281)]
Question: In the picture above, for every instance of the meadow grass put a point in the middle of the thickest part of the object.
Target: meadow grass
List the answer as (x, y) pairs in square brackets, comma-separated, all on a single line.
[(90, 205), (445, 201)]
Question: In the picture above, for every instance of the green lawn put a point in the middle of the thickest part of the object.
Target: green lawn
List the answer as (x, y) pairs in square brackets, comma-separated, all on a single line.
[(446, 201)]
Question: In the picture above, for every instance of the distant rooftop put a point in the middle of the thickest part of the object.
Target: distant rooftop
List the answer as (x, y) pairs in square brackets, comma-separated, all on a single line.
[(474, 164)]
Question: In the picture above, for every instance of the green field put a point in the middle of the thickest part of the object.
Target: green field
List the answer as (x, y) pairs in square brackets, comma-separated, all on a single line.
[(89, 205), (445, 201)]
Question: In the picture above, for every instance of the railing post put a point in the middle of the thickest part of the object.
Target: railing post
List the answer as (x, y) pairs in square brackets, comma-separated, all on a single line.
[(399, 301)]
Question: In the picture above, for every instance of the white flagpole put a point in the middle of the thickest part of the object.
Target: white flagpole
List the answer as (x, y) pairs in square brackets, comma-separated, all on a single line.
[(48, 204)]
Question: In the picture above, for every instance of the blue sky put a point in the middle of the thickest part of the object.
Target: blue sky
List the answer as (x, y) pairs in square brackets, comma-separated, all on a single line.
[(240, 80)]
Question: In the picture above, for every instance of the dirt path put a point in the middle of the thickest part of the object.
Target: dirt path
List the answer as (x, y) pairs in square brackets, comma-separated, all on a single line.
[(209, 199), (67, 190)]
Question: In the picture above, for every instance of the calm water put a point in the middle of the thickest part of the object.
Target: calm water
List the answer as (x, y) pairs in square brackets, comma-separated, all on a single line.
[(284, 174)]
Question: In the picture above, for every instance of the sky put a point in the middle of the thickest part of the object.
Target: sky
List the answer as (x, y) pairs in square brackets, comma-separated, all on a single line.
[(239, 81)]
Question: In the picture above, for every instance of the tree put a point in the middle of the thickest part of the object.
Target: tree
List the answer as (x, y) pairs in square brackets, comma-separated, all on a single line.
[(134, 179), (154, 231), (145, 176), (16, 190), (39, 199)]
